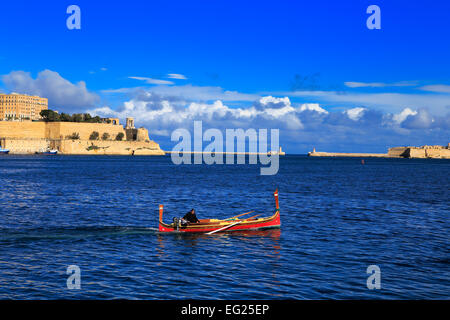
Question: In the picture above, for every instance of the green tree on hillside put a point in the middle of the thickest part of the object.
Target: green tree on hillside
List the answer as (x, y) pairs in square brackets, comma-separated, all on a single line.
[(94, 135), (49, 115), (76, 117), (53, 116), (87, 117), (105, 136), (65, 117), (120, 136), (44, 114), (74, 136)]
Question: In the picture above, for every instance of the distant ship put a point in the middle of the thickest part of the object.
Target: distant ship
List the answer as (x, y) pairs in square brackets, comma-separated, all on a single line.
[(4, 151)]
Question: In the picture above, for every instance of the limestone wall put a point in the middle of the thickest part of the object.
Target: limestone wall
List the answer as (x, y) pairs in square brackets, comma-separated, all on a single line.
[(28, 137), (23, 129), (88, 147), (438, 153), (422, 153), (415, 153), (397, 152), (60, 130), (25, 146), (404, 152), (142, 134), (55, 130)]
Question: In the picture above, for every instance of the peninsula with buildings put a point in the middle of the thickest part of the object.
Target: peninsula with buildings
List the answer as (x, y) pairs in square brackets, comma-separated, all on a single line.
[(424, 152), (27, 126)]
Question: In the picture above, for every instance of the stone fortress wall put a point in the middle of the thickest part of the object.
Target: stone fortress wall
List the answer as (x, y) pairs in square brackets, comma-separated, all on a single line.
[(22, 130), (397, 152), (60, 130), (27, 137), (437, 152), (424, 152)]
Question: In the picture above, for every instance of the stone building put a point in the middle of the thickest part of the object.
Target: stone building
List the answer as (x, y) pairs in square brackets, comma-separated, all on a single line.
[(21, 107)]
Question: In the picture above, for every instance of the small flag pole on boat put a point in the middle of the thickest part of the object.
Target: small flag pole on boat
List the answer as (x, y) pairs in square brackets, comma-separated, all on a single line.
[(223, 228), (161, 209)]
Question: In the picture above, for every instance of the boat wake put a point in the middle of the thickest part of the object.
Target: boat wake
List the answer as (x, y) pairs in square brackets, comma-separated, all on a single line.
[(7, 235)]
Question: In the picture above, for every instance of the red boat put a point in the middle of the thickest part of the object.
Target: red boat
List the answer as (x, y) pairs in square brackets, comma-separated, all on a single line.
[(236, 223)]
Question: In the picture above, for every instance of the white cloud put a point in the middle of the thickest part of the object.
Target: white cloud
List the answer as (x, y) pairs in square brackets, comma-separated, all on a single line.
[(420, 120), (123, 90), (270, 101), (62, 94), (400, 117), (176, 76), (363, 84), (443, 88), (152, 81), (164, 133), (190, 93), (389, 102), (352, 84), (164, 114), (278, 112), (355, 113), (202, 93), (312, 107)]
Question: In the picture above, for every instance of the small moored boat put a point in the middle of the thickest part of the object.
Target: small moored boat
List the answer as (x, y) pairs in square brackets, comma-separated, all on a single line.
[(47, 152), (236, 223), (4, 151)]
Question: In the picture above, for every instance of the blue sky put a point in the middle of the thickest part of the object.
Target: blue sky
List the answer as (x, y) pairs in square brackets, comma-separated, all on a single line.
[(168, 63)]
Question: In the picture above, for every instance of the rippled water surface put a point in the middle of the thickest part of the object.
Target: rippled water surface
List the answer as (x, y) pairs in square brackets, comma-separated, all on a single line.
[(338, 217)]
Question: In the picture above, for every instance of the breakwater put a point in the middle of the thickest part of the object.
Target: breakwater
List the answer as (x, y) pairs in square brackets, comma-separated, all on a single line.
[(341, 154), (423, 152)]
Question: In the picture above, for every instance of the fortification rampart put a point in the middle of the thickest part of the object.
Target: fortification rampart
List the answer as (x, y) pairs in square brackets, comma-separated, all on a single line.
[(23, 130), (397, 152), (29, 137), (437, 152), (24, 146), (99, 147), (60, 130)]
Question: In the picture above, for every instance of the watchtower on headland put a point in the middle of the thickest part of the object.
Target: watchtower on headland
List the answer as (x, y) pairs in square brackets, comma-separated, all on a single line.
[(133, 134), (129, 123)]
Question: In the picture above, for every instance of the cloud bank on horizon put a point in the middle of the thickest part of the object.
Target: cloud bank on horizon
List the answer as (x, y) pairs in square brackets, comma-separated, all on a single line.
[(332, 121), (49, 84)]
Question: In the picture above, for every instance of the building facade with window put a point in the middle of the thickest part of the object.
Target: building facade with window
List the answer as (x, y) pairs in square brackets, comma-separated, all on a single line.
[(21, 107)]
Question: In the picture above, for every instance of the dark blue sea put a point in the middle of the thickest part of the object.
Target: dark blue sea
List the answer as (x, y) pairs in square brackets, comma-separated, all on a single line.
[(338, 217)]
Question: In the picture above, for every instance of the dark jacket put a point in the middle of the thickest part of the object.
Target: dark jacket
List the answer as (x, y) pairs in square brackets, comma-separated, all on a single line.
[(190, 217)]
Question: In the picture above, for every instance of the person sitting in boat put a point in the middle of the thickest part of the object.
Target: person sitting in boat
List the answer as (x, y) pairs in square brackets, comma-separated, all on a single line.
[(190, 217)]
